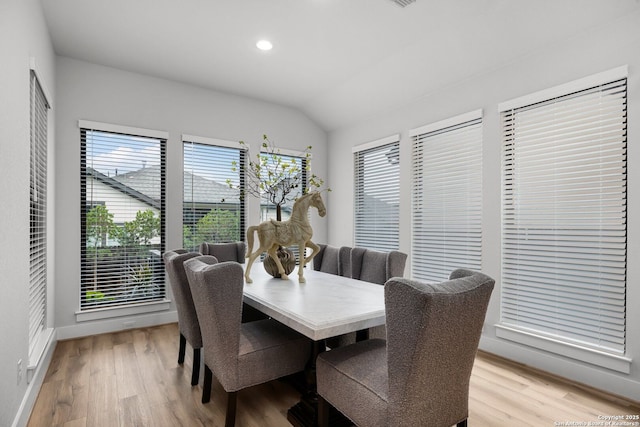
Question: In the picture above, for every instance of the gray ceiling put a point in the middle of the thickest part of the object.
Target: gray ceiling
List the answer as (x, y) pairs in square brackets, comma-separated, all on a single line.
[(338, 61)]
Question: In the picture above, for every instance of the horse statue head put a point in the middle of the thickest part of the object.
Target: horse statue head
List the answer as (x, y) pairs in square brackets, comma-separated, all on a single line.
[(315, 200)]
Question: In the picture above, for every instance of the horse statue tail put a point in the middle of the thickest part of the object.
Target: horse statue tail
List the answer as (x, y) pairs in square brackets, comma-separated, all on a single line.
[(250, 231)]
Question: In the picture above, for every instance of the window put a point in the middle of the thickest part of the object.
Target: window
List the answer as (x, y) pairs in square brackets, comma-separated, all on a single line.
[(377, 194), (268, 209), (39, 107), (446, 196), (212, 211), (122, 216), (564, 215)]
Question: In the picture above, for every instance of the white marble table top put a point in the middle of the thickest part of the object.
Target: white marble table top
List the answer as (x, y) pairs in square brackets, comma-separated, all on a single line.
[(326, 305)]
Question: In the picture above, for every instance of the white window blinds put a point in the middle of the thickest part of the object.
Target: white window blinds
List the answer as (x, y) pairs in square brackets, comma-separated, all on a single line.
[(212, 211), (122, 216), (377, 194), (267, 209), (564, 214), (38, 212), (446, 196)]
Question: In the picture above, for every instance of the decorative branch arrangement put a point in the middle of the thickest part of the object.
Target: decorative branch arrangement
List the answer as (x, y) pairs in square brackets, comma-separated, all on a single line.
[(272, 177)]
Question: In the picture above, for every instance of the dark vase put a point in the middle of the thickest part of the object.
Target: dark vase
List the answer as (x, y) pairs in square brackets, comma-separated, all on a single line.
[(287, 258)]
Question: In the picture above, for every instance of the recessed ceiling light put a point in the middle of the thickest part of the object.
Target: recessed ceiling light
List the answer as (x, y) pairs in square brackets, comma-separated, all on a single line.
[(264, 45)]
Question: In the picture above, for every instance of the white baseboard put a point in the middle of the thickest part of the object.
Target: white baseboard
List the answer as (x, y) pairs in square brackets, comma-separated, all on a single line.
[(37, 378), (103, 326)]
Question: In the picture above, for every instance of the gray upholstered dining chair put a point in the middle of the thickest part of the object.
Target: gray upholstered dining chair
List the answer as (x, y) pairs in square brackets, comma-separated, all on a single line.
[(240, 354), (420, 375), (327, 259), (333, 260), (233, 251), (187, 318), (375, 267)]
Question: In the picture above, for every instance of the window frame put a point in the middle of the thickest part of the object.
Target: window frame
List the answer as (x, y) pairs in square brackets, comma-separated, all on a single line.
[(40, 331), (360, 218), (445, 235), (268, 211), (223, 144), (506, 329), (146, 306)]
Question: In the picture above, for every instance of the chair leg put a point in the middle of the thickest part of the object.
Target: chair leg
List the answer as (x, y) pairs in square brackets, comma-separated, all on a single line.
[(206, 387), (462, 423), (183, 347), (195, 373), (230, 420), (323, 412)]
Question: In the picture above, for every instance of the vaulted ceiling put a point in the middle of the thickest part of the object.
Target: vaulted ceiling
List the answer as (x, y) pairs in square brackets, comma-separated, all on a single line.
[(338, 61)]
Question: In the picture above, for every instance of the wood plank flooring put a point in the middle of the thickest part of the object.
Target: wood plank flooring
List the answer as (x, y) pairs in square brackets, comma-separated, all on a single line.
[(131, 378)]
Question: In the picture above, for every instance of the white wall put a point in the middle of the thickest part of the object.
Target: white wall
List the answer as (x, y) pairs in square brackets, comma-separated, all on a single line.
[(588, 53), (92, 92), (23, 35)]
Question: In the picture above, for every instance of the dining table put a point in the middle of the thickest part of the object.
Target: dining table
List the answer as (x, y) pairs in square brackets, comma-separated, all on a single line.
[(324, 306)]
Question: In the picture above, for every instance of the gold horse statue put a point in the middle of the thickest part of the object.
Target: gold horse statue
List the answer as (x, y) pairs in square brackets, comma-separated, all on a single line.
[(295, 230)]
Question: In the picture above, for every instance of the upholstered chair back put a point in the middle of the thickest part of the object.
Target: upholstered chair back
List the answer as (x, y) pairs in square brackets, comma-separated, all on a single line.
[(344, 261), (333, 260), (327, 259), (217, 291), (376, 266), (187, 318), (234, 251), (433, 332)]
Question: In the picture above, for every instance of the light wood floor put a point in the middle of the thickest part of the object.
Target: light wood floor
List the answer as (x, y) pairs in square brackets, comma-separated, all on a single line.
[(131, 378)]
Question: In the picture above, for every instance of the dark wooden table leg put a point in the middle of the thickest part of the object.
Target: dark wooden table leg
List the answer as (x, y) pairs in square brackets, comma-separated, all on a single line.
[(362, 335), (305, 412)]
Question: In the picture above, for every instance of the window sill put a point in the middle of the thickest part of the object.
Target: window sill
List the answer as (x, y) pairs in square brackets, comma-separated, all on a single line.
[(573, 351), (111, 312), (40, 348)]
